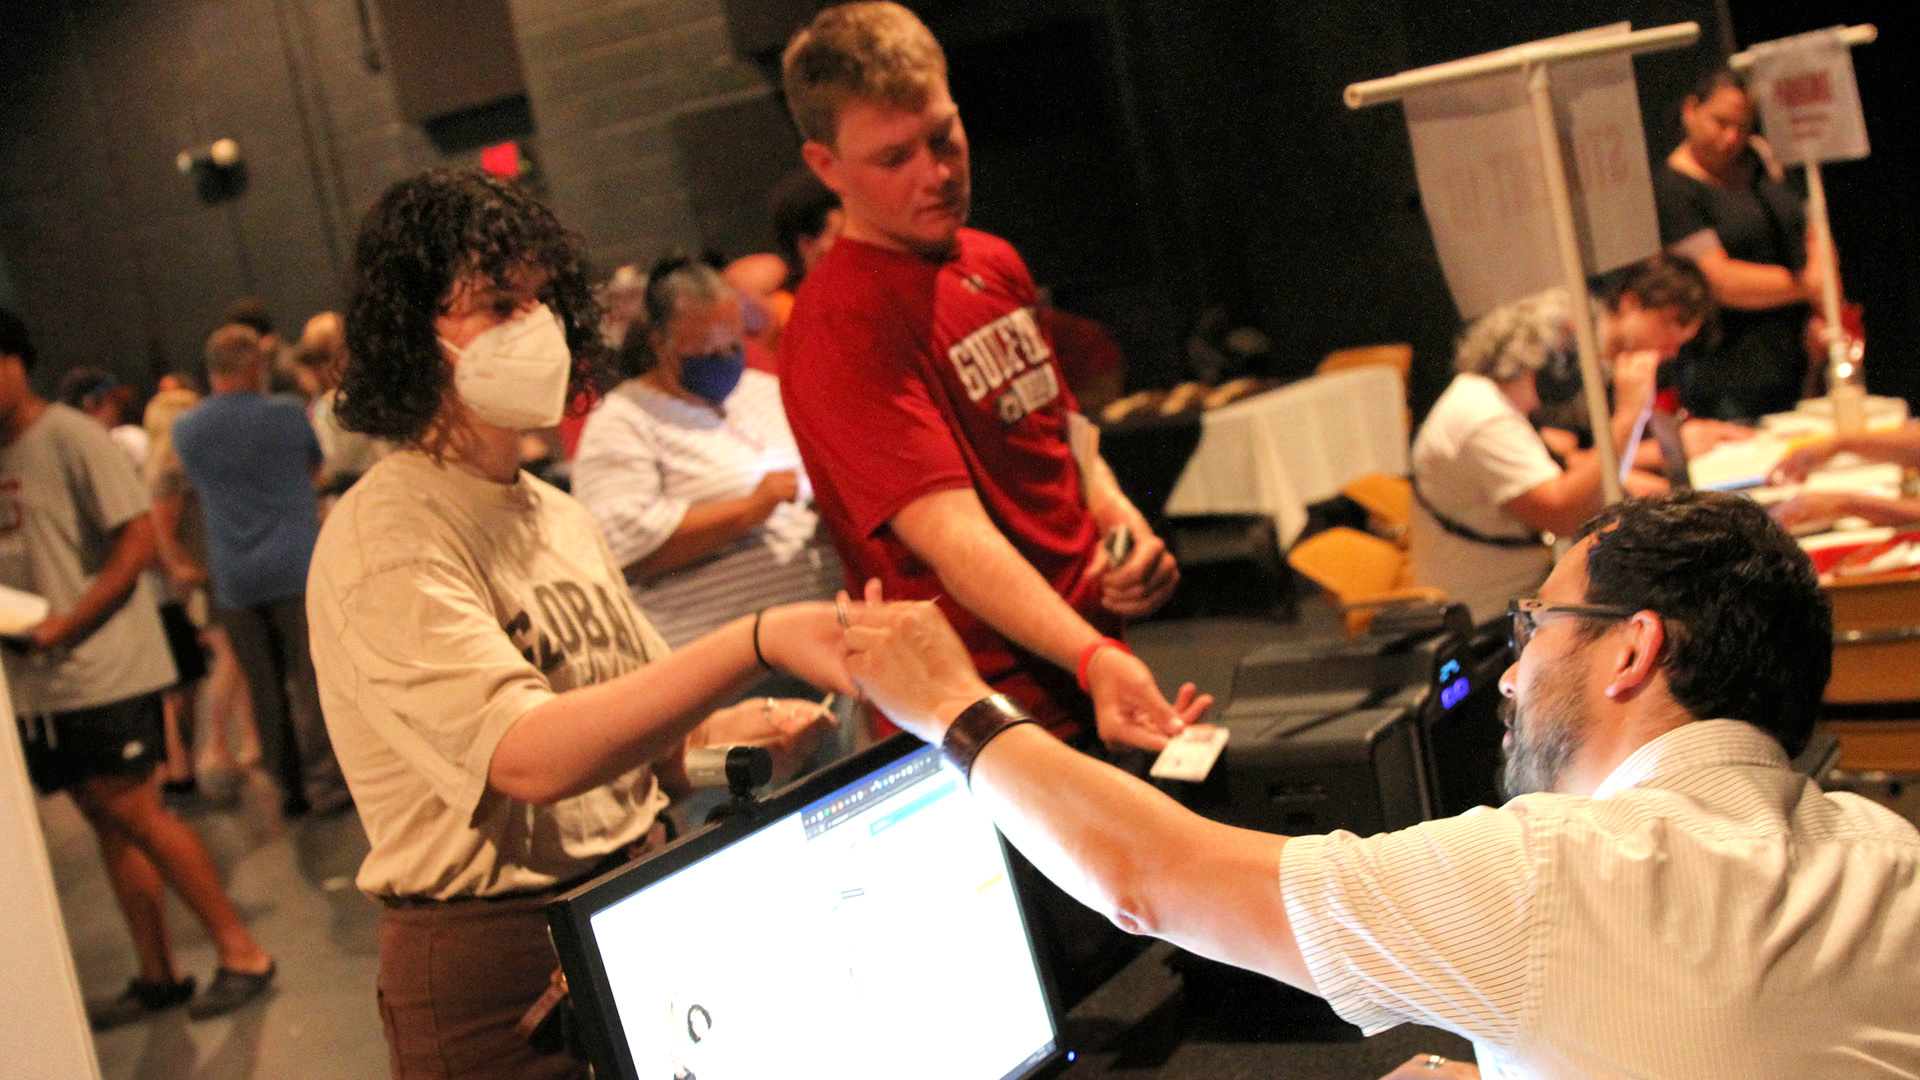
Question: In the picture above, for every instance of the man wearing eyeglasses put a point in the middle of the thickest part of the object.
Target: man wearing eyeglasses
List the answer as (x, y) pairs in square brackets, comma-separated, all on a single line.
[(1663, 897)]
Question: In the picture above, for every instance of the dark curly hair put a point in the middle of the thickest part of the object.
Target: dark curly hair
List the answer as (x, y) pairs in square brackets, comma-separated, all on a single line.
[(1664, 281), (1749, 631), (422, 235)]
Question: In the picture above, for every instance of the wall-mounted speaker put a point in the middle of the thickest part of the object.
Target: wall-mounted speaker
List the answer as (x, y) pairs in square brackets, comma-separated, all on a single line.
[(761, 28), (450, 58)]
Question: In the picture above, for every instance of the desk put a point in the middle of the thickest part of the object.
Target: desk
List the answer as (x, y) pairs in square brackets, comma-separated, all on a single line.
[(1141, 1024), (1876, 616), (1749, 461), (1276, 452)]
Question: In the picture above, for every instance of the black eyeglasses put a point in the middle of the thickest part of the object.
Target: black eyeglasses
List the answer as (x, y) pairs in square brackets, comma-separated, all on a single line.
[(1525, 616)]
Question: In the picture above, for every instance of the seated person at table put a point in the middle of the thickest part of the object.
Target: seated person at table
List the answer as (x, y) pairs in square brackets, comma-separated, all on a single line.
[(690, 471), (1900, 446), (1663, 897), (1486, 486)]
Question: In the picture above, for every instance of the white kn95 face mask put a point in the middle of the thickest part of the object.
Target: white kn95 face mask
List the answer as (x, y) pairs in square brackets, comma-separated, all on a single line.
[(515, 374)]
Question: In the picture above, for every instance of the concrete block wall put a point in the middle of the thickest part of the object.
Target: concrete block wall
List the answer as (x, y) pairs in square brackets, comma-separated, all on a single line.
[(607, 79), (114, 261)]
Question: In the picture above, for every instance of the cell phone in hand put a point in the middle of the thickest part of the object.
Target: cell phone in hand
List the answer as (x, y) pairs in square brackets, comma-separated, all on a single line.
[(1119, 545)]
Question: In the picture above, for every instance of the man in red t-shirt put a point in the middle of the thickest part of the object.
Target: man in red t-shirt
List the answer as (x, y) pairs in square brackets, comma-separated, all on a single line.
[(930, 410)]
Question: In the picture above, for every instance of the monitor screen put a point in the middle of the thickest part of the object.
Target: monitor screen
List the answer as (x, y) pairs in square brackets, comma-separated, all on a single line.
[(864, 924)]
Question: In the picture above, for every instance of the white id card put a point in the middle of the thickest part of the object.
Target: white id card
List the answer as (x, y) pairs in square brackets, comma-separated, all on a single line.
[(1191, 754)]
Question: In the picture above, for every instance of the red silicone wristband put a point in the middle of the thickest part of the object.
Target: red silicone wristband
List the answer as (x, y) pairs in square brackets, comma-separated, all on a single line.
[(1086, 658)]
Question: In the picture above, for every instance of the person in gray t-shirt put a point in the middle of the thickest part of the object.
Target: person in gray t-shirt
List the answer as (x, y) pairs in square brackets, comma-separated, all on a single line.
[(85, 682)]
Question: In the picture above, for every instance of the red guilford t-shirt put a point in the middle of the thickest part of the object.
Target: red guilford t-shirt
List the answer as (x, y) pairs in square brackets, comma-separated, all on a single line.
[(904, 376)]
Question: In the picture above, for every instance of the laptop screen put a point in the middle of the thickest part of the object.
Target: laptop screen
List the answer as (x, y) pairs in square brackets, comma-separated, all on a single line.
[(864, 925)]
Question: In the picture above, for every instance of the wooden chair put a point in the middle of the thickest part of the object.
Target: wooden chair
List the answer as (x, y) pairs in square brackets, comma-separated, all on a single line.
[(1361, 572), (1398, 356), (1388, 501)]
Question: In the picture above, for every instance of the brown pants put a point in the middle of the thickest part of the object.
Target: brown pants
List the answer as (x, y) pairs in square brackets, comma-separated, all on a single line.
[(454, 980)]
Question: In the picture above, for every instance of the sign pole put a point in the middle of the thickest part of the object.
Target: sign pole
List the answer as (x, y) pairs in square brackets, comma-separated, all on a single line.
[(1540, 90), (1533, 62), (1830, 284)]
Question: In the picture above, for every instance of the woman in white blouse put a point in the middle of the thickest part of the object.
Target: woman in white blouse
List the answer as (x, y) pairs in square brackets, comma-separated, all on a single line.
[(691, 472)]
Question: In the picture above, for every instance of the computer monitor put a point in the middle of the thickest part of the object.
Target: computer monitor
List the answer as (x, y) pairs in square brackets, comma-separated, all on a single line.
[(860, 924)]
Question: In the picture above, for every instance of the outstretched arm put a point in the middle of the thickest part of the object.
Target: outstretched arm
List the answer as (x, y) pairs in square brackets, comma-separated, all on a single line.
[(981, 570), (578, 740), (1113, 842), (1901, 446)]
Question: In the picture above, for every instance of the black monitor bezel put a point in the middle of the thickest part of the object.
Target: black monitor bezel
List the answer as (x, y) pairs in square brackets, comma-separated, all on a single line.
[(568, 916)]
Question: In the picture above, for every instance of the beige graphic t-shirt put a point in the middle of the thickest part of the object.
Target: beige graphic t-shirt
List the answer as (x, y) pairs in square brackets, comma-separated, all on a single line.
[(443, 607)]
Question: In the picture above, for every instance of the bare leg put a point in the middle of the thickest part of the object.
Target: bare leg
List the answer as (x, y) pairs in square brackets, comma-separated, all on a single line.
[(175, 851), (231, 703), (176, 706), (137, 886)]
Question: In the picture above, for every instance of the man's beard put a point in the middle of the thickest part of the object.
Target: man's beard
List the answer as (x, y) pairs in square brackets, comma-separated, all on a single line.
[(1546, 734)]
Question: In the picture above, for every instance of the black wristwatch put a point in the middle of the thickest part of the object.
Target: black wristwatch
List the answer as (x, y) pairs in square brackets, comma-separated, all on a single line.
[(976, 726)]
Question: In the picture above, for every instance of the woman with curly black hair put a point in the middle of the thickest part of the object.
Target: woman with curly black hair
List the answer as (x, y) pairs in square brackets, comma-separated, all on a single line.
[(508, 721)]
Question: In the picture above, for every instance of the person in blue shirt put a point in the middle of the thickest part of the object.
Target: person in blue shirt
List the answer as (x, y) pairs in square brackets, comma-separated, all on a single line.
[(252, 459)]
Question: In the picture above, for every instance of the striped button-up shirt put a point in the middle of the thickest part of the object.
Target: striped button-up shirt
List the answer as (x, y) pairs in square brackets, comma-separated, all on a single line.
[(1706, 913), (646, 456)]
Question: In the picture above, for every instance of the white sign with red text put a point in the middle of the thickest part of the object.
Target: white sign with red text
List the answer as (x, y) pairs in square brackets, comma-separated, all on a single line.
[(1477, 154), (1809, 102)]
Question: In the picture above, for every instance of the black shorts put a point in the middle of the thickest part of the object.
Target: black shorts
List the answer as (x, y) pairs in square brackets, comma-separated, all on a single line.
[(120, 738), (183, 641)]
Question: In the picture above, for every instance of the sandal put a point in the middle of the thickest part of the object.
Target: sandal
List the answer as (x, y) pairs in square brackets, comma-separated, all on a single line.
[(229, 990), (141, 998)]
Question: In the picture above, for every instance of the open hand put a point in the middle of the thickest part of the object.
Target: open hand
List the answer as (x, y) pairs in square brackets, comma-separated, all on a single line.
[(1798, 463), (907, 660), (789, 729), (1813, 507), (1129, 708)]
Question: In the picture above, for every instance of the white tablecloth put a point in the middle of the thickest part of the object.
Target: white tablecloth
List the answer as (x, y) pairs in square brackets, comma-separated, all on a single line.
[(1276, 452)]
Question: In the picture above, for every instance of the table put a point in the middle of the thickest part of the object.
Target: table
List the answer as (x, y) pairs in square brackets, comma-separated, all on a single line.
[(1142, 1024), (1747, 463), (1277, 452), (1869, 701)]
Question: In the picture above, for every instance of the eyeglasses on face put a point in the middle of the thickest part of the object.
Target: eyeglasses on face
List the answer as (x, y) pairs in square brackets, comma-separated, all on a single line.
[(1526, 616)]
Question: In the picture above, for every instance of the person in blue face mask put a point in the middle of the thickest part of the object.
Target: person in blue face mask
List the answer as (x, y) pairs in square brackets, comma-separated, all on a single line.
[(690, 470)]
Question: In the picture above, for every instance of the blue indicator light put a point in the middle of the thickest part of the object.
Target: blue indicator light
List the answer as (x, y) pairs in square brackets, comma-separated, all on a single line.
[(1453, 692)]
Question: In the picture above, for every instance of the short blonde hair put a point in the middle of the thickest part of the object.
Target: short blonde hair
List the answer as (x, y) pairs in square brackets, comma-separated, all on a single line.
[(878, 52), (1516, 338), (234, 349)]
